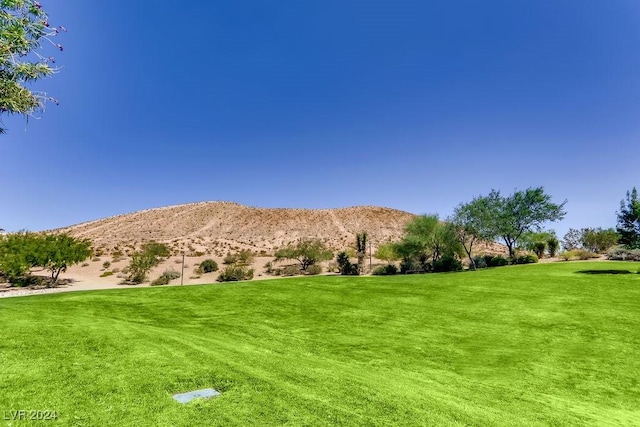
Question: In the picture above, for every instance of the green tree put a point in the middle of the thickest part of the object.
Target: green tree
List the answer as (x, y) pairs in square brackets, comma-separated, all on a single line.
[(426, 238), (386, 252), (472, 222), (56, 252), (521, 212), (306, 251), (599, 240), (629, 220), (17, 254), (24, 28)]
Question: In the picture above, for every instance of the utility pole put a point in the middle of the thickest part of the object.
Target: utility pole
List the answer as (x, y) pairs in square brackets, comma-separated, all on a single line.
[(182, 275)]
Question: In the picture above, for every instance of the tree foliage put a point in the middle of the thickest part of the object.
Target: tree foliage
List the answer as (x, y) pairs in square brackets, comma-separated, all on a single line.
[(386, 252), (306, 251), (24, 28), (629, 220), (597, 240), (427, 240), (19, 252), (521, 212), (471, 222)]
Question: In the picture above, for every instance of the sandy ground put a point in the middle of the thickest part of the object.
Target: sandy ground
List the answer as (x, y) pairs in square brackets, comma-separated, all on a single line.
[(87, 277)]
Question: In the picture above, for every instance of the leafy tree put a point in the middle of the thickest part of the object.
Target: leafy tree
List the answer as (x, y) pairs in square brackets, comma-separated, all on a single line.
[(24, 27), (361, 250), (56, 252), (599, 240), (573, 239), (306, 251), (472, 222), (629, 220), (16, 254), (426, 238), (386, 252), (21, 251), (592, 239), (521, 212)]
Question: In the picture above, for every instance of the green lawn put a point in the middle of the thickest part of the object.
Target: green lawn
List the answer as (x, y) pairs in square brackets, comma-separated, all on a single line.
[(525, 345)]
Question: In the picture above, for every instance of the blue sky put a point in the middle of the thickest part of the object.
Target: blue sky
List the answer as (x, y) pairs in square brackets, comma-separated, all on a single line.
[(415, 105)]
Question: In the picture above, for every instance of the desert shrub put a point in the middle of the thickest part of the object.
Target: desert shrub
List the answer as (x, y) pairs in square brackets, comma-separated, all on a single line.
[(159, 250), (95, 259), (496, 261), (446, 263), (106, 265), (552, 246), (385, 270), (480, 262), (345, 266), (581, 254), (525, 259), (107, 274), (410, 265), (141, 263), (85, 264), (165, 278), (314, 269), (244, 257), (117, 253), (620, 253), (116, 270), (290, 270), (208, 266), (539, 248), (234, 273)]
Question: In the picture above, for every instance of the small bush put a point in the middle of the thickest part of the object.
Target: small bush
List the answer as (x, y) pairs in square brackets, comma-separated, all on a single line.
[(107, 274), (85, 264), (208, 266), (165, 278), (526, 259), (445, 264), (235, 273), (410, 265), (291, 270), (313, 270), (480, 262), (620, 253), (385, 270), (106, 265), (496, 261), (581, 254)]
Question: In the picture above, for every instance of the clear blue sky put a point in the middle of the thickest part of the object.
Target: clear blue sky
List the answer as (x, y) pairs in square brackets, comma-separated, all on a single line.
[(415, 105)]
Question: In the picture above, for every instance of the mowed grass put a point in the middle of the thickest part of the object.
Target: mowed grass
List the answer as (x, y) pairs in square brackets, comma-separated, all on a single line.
[(525, 345)]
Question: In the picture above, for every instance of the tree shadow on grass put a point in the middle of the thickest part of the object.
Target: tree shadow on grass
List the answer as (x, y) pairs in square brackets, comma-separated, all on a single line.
[(605, 272)]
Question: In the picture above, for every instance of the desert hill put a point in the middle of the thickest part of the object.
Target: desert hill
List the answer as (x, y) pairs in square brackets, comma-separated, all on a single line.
[(218, 227)]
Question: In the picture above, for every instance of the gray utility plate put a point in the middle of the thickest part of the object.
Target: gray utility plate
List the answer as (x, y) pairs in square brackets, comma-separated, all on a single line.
[(189, 396)]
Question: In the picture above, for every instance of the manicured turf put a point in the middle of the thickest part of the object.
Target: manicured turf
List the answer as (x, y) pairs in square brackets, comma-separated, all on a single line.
[(524, 345)]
